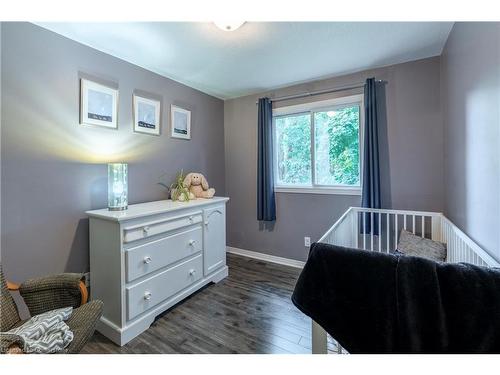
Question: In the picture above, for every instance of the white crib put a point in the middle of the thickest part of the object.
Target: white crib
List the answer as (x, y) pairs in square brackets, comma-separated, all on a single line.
[(346, 232)]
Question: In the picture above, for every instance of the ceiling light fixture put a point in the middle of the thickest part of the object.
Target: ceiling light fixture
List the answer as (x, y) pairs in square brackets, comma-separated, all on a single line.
[(229, 26)]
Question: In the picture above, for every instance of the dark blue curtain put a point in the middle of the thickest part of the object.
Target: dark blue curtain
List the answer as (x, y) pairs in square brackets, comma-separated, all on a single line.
[(266, 208), (371, 169)]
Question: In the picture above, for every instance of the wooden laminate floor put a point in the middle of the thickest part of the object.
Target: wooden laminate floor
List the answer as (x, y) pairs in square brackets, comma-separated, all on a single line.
[(248, 312)]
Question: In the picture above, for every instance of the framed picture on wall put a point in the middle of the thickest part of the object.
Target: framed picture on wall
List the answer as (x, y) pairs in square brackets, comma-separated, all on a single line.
[(99, 104), (146, 115), (180, 122)]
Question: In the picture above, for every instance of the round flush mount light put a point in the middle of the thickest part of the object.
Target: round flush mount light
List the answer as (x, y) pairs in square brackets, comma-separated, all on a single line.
[(229, 26)]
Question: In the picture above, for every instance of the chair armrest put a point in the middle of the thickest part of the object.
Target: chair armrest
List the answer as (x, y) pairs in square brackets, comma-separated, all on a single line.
[(12, 286), (10, 343), (53, 292), (82, 323)]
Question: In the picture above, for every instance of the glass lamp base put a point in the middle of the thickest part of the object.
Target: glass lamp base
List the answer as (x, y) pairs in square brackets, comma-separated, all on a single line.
[(117, 208)]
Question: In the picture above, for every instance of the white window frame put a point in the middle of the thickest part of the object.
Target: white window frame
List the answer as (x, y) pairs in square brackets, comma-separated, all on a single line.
[(323, 105)]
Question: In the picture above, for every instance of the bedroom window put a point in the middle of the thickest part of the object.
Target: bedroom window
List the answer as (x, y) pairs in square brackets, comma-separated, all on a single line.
[(317, 147)]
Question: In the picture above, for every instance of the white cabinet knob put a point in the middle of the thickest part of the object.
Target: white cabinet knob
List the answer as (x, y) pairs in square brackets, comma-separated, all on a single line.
[(147, 296), (192, 272), (147, 259), (191, 219), (145, 230), (206, 223), (192, 242)]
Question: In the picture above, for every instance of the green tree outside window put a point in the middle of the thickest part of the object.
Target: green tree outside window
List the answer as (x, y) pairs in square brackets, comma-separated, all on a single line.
[(336, 147)]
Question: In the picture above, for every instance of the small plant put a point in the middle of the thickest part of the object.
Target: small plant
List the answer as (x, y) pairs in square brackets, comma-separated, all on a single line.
[(161, 183), (177, 190)]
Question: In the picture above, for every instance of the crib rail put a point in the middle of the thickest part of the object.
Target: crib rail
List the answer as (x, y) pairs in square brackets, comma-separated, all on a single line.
[(340, 233), (460, 248), (379, 229)]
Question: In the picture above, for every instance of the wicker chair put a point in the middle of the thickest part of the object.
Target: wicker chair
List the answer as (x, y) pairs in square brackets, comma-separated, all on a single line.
[(45, 294)]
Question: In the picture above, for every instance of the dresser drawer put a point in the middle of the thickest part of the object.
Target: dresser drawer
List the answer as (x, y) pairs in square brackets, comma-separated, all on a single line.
[(157, 254), (150, 292), (149, 229)]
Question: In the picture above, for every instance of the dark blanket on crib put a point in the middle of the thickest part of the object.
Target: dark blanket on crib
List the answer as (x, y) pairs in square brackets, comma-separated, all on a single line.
[(379, 303)]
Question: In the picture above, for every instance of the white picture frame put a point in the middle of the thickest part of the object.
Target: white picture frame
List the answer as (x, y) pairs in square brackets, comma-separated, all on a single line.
[(180, 122), (98, 105), (147, 115)]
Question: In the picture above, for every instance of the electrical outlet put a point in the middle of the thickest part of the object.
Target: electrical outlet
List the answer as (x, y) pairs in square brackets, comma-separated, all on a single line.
[(86, 278), (307, 241)]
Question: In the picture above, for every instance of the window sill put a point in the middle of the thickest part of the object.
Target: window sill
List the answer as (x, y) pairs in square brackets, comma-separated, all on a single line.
[(319, 190)]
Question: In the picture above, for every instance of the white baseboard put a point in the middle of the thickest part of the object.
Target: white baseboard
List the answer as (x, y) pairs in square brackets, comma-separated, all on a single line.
[(266, 257)]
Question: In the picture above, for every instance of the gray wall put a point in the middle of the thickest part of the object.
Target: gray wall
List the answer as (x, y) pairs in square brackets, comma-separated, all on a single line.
[(53, 169), (471, 111), (412, 161)]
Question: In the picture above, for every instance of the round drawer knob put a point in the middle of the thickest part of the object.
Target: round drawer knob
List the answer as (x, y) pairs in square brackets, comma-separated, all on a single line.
[(192, 242), (145, 230), (147, 259), (191, 219), (147, 296), (192, 272)]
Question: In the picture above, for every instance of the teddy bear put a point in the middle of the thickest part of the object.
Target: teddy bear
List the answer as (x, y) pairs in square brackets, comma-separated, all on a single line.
[(197, 184)]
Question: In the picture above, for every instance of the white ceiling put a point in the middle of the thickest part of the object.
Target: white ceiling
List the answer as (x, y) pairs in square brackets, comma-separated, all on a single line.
[(259, 56)]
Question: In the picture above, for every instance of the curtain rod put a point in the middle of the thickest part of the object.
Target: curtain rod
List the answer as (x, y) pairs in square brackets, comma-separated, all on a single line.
[(319, 92)]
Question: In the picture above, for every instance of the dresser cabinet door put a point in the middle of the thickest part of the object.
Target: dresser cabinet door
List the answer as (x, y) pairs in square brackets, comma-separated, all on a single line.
[(214, 237)]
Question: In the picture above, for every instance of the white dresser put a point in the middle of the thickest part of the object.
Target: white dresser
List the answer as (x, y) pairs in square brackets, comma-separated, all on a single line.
[(151, 256)]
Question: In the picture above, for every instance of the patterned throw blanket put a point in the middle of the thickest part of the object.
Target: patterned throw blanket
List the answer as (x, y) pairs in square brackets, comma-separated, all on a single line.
[(45, 333)]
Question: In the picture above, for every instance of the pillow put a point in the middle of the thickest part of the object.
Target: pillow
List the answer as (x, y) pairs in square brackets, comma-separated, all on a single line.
[(412, 245)]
